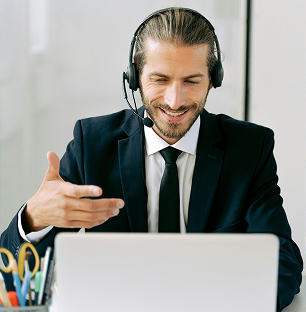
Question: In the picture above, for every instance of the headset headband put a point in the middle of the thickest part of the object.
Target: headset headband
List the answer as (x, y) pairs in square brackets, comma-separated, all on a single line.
[(132, 73), (211, 27)]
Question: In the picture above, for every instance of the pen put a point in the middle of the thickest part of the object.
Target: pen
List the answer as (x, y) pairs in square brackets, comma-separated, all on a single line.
[(27, 268), (47, 292), (38, 276), (42, 261), (30, 295), (25, 287), (4, 297), (16, 279), (48, 257)]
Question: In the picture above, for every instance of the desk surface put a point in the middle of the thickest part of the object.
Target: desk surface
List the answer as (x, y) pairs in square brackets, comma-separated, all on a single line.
[(299, 301), (298, 304)]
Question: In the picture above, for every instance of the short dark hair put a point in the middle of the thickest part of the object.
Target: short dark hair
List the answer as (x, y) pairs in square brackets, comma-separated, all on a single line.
[(179, 27)]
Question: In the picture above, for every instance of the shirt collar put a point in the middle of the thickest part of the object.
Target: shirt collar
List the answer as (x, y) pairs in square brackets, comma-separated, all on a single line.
[(188, 143)]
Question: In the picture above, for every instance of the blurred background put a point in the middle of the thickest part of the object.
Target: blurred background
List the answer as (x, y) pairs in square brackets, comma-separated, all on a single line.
[(62, 60)]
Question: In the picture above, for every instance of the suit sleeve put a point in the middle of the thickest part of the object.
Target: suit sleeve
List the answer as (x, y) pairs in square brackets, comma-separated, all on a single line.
[(266, 214), (71, 171)]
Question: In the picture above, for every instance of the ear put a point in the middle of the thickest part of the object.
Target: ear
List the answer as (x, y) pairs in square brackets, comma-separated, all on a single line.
[(210, 85)]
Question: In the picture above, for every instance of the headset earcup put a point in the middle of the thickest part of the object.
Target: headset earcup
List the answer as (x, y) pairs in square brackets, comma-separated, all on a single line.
[(217, 75), (132, 77)]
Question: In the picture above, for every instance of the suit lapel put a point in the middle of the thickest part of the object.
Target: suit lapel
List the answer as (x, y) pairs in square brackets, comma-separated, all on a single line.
[(206, 174), (134, 189), (207, 169)]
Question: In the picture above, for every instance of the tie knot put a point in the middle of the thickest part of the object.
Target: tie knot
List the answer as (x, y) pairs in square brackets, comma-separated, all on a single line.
[(170, 154)]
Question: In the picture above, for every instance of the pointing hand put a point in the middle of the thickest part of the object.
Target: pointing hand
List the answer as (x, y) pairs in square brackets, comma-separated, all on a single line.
[(62, 204)]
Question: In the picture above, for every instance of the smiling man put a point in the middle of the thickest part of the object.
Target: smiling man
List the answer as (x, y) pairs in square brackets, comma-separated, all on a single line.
[(191, 172)]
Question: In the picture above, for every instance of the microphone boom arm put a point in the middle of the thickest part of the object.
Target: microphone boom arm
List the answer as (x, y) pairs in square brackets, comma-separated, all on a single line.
[(146, 121)]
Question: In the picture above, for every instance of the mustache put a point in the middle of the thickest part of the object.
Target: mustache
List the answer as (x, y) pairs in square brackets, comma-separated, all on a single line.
[(168, 108)]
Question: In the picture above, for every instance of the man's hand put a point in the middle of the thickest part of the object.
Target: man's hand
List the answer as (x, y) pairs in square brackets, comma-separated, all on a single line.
[(61, 203)]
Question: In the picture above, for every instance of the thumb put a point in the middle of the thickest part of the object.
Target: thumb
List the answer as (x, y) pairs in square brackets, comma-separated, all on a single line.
[(53, 169)]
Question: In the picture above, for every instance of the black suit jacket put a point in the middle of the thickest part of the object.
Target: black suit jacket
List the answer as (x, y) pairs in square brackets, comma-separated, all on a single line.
[(234, 186)]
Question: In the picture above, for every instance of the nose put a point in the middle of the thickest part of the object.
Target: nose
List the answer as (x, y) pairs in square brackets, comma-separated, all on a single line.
[(175, 95)]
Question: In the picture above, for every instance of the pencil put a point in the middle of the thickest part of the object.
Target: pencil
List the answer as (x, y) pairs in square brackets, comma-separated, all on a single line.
[(4, 297), (16, 279), (27, 257)]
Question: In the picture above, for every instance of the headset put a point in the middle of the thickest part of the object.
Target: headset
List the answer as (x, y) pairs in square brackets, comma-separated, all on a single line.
[(132, 75)]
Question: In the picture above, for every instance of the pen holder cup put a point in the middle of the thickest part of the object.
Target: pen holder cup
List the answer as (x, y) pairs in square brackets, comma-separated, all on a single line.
[(26, 309)]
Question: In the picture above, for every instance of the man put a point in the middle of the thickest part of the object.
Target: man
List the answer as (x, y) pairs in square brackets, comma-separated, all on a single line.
[(110, 178)]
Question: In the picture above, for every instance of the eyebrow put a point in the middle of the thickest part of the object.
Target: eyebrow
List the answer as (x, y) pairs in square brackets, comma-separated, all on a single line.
[(198, 75)]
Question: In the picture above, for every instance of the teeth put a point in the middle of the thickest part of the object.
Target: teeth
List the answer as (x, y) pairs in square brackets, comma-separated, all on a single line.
[(174, 114)]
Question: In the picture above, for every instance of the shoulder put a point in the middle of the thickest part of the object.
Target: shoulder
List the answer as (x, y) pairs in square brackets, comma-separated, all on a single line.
[(229, 124), (103, 126), (238, 139), (240, 131), (113, 120)]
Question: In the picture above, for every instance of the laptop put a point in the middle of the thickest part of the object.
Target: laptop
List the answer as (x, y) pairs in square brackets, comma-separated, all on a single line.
[(166, 272)]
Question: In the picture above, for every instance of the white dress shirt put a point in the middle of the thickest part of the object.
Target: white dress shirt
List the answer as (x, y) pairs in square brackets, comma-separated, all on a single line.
[(155, 165)]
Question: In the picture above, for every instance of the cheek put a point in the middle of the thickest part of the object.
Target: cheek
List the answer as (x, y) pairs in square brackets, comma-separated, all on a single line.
[(197, 94), (152, 92)]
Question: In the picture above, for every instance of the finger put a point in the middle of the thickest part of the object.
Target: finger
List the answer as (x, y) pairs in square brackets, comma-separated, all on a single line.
[(75, 212), (83, 224), (53, 168), (79, 191), (90, 225), (90, 217), (93, 205), (105, 204)]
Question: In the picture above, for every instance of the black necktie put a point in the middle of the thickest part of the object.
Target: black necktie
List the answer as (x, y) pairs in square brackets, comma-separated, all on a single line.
[(169, 200)]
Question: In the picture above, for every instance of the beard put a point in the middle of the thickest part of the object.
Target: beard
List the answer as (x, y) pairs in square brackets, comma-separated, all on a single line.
[(173, 130)]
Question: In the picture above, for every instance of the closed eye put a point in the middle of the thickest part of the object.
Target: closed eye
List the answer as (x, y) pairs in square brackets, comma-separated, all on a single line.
[(159, 79), (192, 81)]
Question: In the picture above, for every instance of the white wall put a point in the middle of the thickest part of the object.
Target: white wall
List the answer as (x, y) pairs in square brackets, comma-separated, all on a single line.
[(278, 96)]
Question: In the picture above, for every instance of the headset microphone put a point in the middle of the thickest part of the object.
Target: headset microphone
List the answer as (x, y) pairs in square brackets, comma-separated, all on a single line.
[(146, 121)]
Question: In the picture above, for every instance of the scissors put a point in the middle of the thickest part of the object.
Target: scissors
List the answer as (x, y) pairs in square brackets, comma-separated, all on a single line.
[(21, 259)]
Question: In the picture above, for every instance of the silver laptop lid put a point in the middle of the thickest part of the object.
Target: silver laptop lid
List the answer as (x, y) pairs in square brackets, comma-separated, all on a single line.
[(167, 272)]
